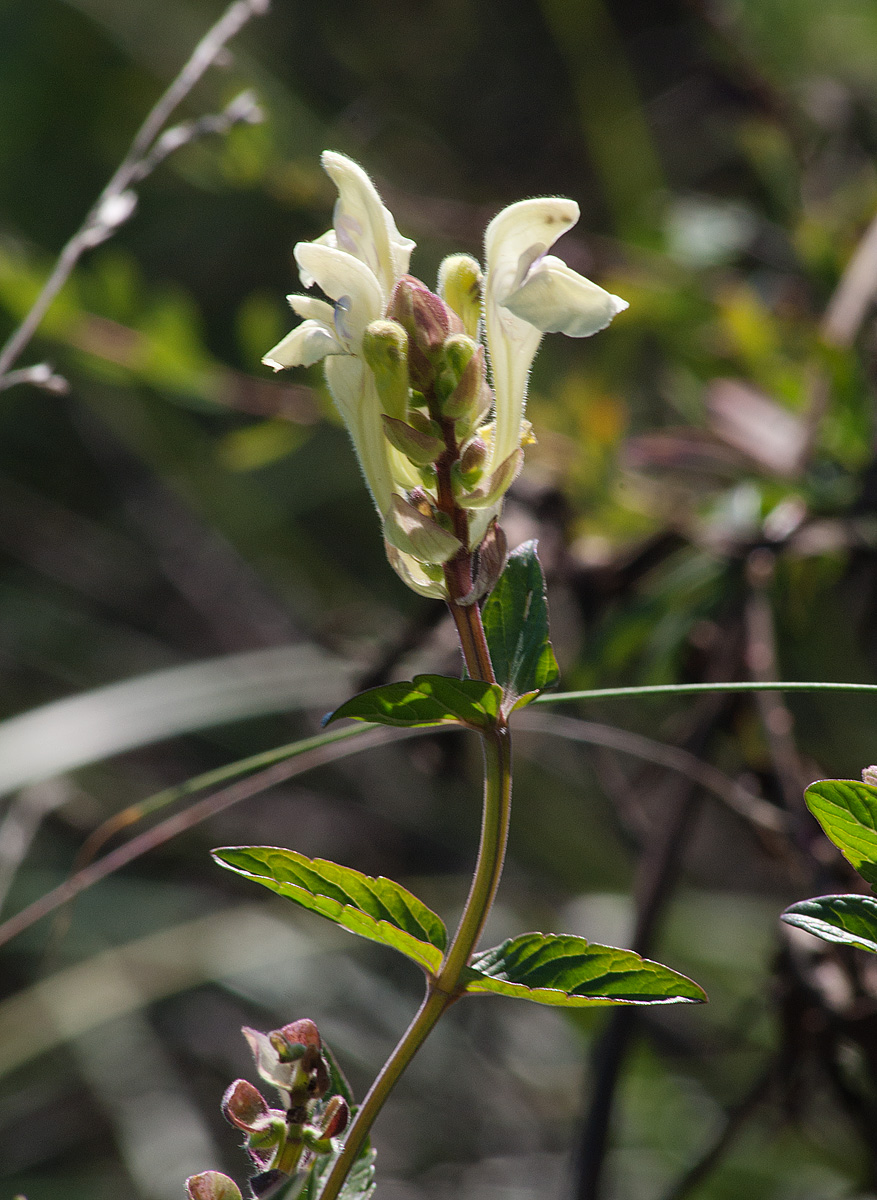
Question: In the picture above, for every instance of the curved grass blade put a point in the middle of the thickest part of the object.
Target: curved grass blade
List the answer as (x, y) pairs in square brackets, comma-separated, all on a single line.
[(846, 920), (570, 972), (847, 811), (375, 908), (426, 700)]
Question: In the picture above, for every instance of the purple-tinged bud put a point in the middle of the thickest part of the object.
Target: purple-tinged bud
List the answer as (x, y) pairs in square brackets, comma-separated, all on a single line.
[(335, 1117), (212, 1185), (301, 1033), (245, 1106), (869, 775), (427, 320), (321, 1079)]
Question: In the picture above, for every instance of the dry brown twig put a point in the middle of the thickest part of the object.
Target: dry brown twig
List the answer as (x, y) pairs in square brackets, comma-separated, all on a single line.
[(152, 144)]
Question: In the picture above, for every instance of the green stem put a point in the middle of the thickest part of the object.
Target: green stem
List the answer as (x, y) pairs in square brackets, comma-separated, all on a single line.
[(444, 989), (491, 854), (689, 689), (434, 1004)]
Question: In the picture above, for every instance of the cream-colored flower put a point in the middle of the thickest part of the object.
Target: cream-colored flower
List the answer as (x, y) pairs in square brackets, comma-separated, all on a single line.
[(357, 264), (527, 292)]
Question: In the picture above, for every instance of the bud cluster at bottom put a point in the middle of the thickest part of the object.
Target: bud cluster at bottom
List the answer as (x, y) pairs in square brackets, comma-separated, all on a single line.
[(287, 1140)]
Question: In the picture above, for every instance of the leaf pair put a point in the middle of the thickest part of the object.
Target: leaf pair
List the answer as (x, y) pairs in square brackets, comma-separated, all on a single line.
[(546, 968), (515, 620), (847, 812)]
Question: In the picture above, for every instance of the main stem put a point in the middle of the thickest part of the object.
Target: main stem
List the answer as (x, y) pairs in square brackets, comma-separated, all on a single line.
[(444, 988)]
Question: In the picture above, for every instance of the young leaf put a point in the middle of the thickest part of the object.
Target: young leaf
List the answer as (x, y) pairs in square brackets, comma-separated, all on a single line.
[(515, 618), (573, 973), (847, 920), (847, 811), (378, 909), (427, 700), (359, 1184)]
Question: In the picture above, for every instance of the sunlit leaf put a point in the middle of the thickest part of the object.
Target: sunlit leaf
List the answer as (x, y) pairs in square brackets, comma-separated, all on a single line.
[(847, 920), (847, 811), (426, 700), (571, 972), (378, 909), (515, 620)]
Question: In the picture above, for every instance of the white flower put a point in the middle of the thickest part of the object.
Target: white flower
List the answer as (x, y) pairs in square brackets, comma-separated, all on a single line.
[(357, 263), (527, 292)]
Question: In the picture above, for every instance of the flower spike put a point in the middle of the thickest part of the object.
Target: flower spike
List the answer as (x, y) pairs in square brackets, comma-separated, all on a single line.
[(407, 367)]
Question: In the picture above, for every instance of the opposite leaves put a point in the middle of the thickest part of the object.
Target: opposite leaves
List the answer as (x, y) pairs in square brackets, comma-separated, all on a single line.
[(378, 909), (515, 621), (847, 811), (571, 972)]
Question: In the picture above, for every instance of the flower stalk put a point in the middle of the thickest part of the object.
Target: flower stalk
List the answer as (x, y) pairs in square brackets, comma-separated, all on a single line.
[(440, 441)]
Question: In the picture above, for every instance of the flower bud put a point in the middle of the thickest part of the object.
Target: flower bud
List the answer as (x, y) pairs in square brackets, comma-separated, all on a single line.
[(419, 448), (472, 462), (869, 775), (301, 1033), (427, 321), (212, 1185), (335, 1117), (385, 349), (459, 284), (462, 383), (497, 485), (245, 1106)]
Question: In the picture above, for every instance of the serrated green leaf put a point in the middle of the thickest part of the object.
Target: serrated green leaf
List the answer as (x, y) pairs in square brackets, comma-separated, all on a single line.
[(378, 909), (571, 972), (847, 811), (847, 920), (515, 618), (426, 700)]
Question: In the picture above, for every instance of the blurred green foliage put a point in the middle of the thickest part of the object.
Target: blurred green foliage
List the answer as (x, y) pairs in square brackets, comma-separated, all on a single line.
[(704, 493)]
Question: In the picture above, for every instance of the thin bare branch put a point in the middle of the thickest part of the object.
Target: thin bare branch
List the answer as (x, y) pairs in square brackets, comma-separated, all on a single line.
[(117, 201)]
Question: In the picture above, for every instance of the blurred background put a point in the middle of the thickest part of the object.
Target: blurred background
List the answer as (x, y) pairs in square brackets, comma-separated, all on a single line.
[(192, 573)]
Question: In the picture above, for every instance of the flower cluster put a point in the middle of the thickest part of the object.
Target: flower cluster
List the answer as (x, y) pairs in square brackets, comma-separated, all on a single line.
[(287, 1140), (439, 445)]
